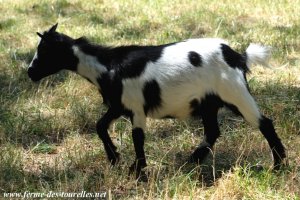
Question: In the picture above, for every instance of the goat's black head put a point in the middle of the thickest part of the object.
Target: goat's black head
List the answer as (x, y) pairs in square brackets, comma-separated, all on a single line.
[(53, 54)]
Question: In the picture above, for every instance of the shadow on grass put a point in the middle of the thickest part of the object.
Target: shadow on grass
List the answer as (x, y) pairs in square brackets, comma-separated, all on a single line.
[(277, 101), (15, 179), (74, 173), (18, 123)]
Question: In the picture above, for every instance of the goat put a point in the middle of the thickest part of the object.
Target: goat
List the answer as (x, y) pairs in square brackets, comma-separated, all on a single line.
[(193, 78)]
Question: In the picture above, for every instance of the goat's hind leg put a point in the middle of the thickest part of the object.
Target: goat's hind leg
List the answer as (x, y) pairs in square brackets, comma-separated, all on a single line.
[(278, 151), (102, 126), (207, 110), (249, 110)]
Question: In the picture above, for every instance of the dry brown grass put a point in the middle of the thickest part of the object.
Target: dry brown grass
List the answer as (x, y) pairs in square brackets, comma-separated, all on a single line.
[(48, 140)]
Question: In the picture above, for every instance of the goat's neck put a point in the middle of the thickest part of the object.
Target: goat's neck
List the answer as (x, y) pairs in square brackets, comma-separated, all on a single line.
[(89, 67)]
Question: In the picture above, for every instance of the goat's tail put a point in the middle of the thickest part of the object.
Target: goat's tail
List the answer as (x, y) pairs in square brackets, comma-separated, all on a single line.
[(257, 54)]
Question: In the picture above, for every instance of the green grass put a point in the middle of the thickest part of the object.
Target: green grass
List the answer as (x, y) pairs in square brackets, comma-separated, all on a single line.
[(48, 140)]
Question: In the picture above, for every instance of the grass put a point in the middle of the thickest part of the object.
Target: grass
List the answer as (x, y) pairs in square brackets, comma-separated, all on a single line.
[(48, 140)]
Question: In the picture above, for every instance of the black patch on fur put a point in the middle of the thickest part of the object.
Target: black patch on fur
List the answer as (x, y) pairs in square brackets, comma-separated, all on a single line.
[(233, 109), (195, 107), (234, 59), (207, 102), (195, 59), (128, 113), (210, 100), (151, 92), (127, 61), (111, 90)]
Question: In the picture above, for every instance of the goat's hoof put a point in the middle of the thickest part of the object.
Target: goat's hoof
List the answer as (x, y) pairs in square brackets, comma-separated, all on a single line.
[(280, 161), (140, 175), (257, 168), (280, 166), (198, 155), (114, 159), (194, 159)]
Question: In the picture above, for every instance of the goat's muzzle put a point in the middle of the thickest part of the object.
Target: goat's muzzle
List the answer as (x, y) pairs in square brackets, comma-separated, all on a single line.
[(32, 74)]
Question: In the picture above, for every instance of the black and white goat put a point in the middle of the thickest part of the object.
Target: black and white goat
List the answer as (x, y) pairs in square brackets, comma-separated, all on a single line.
[(194, 78)]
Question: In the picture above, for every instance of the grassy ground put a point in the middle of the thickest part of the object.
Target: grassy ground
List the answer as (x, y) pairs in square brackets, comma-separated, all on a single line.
[(48, 140)]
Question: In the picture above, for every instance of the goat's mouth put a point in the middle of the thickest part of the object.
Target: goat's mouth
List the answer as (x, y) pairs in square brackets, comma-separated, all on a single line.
[(33, 75)]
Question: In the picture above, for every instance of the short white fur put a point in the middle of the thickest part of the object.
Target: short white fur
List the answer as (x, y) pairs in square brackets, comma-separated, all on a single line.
[(180, 82)]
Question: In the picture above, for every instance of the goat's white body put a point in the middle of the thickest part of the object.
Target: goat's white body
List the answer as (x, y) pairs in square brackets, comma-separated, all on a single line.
[(181, 82)]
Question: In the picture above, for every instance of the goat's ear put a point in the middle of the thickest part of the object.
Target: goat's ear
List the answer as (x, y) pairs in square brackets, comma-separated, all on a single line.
[(53, 28), (40, 35), (43, 37)]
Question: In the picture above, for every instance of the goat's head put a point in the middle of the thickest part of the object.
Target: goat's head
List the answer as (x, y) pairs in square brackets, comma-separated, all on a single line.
[(53, 54)]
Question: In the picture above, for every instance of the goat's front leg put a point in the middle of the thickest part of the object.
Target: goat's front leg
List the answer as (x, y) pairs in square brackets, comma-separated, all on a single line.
[(138, 136), (102, 126)]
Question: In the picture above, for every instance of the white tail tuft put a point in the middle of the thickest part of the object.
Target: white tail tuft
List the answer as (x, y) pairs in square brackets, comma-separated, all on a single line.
[(258, 54)]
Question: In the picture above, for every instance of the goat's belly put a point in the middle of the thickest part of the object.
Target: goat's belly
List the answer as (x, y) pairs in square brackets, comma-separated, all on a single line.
[(171, 110), (178, 102)]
